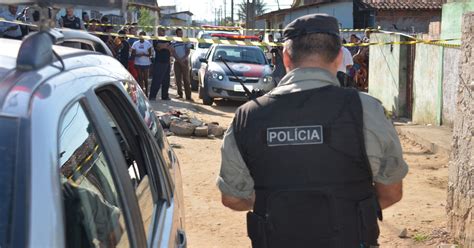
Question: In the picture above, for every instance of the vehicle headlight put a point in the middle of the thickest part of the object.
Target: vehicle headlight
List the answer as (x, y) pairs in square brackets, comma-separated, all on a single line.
[(267, 79), (217, 75)]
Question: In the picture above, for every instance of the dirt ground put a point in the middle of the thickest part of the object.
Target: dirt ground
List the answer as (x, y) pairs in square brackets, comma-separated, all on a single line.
[(209, 224)]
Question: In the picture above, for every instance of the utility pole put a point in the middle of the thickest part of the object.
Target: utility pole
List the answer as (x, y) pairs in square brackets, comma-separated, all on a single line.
[(232, 12), (247, 13), (215, 16), (225, 12)]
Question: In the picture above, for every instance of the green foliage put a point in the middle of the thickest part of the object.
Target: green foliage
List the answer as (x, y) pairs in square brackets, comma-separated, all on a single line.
[(145, 18), (419, 237), (260, 8)]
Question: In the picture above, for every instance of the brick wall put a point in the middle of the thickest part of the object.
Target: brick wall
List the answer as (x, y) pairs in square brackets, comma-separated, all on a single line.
[(407, 20)]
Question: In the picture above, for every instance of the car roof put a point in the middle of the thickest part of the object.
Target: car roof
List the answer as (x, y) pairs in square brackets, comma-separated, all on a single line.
[(9, 53), (13, 79)]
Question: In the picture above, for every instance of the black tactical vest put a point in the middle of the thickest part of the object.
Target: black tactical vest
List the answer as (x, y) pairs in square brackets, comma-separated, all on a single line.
[(72, 24), (313, 183)]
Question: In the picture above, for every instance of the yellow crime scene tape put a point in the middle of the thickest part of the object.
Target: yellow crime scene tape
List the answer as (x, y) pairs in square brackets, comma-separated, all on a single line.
[(222, 28), (444, 43)]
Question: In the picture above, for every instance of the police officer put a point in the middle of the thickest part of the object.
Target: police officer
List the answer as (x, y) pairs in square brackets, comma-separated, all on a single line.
[(70, 20), (314, 162)]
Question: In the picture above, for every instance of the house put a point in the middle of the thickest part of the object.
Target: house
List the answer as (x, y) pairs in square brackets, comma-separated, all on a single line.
[(170, 17), (412, 16), (341, 9)]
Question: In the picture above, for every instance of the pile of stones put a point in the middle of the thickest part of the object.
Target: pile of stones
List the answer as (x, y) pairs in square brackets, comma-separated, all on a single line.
[(180, 123)]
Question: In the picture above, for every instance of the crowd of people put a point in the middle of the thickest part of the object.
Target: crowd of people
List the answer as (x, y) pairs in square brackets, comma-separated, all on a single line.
[(353, 72), (143, 58)]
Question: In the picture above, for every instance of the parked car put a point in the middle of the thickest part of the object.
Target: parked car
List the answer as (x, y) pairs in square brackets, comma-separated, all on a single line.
[(247, 62), (84, 160), (82, 40), (200, 51)]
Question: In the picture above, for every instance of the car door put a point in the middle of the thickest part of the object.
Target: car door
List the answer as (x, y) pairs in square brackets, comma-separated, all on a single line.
[(204, 66), (133, 125), (98, 203)]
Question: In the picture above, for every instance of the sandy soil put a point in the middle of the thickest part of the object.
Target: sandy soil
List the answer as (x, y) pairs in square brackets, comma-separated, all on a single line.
[(209, 224)]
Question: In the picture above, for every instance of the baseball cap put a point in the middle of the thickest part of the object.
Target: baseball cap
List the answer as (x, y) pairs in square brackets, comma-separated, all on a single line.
[(311, 24)]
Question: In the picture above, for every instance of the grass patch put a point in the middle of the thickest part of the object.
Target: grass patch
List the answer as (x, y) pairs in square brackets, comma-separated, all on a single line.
[(419, 237)]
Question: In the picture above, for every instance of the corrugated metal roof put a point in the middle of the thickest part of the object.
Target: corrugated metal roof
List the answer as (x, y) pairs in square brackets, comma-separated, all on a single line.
[(403, 4)]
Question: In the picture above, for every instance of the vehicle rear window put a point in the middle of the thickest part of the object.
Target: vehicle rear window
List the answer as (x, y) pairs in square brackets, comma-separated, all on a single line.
[(8, 150)]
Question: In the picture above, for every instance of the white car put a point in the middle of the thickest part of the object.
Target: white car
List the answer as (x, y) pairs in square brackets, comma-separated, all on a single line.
[(200, 51)]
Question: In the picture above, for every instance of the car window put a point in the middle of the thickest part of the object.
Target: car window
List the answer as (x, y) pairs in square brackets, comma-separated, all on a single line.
[(240, 54), (148, 115), (8, 152), (143, 164), (92, 210)]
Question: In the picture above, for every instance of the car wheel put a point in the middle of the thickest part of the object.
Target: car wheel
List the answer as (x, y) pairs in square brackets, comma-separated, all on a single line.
[(194, 83), (206, 99)]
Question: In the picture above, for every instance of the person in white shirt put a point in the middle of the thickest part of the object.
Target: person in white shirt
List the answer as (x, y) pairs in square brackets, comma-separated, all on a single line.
[(344, 68), (10, 30), (141, 51)]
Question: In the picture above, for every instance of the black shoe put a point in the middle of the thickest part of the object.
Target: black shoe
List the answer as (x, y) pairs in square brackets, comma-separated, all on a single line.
[(166, 99), (189, 99), (179, 97)]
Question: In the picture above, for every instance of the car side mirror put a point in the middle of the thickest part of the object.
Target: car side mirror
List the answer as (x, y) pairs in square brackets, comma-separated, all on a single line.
[(203, 60), (272, 66), (192, 46)]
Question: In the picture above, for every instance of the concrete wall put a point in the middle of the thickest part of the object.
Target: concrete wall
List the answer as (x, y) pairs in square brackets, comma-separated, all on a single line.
[(426, 84), (388, 73), (450, 84), (341, 10), (452, 18), (407, 20)]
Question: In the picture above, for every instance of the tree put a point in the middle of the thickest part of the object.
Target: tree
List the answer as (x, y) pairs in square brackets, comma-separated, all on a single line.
[(145, 18), (260, 8), (461, 185)]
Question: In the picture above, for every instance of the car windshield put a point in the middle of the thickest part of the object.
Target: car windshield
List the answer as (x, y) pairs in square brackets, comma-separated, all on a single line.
[(240, 54), (8, 153)]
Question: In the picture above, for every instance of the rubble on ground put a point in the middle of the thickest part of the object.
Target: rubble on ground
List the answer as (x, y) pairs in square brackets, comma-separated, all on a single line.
[(181, 123)]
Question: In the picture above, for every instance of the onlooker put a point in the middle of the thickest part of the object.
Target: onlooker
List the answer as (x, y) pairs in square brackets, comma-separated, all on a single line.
[(181, 66), (122, 48), (141, 51), (132, 30), (70, 20), (105, 27), (23, 17), (85, 19), (356, 40), (161, 68), (93, 27), (268, 50), (279, 70), (344, 68), (10, 30)]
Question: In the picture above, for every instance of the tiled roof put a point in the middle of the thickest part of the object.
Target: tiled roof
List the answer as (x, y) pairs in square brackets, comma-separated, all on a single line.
[(403, 4)]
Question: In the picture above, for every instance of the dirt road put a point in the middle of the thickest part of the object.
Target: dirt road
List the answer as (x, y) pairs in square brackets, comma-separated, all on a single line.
[(209, 224)]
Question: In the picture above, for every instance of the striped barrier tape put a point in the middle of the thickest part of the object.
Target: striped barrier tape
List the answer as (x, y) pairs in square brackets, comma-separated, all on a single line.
[(229, 28), (443, 43)]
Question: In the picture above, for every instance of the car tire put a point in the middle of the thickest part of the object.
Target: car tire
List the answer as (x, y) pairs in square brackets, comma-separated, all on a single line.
[(206, 99)]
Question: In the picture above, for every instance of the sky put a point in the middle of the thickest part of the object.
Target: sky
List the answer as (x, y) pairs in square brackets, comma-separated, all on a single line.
[(204, 9)]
